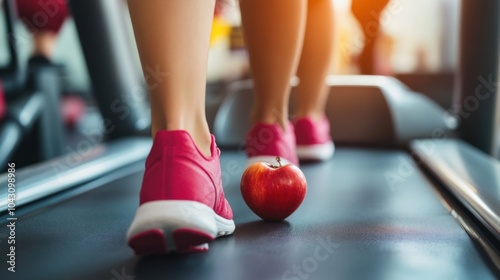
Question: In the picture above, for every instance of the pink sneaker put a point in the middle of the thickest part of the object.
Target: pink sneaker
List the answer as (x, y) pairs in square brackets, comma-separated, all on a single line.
[(313, 139), (265, 142), (182, 204)]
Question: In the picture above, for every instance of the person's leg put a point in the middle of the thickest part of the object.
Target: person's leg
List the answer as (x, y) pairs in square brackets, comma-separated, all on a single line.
[(44, 21), (315, 60), (274, 34), (44, 44), (368, 13), (312, 129), (173, 36), (366, 59), (182, 205), (274, 31)]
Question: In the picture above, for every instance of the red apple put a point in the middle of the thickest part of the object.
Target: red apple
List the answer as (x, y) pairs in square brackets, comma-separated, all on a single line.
[(273, 192)]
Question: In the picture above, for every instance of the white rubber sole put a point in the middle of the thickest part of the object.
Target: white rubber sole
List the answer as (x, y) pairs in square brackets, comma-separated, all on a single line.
[(171, 216), (318, 152), (267, 159)]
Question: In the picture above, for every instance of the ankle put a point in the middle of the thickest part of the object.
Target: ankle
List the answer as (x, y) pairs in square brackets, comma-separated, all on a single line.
[(270, 118), (198, 131), (202, 140), (315, 115)]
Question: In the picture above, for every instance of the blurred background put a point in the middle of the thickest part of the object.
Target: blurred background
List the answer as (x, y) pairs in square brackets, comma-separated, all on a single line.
[(417, 38), (417, 43)]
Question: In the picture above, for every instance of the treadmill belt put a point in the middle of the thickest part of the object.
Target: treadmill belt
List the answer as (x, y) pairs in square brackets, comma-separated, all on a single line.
[(353, 224)]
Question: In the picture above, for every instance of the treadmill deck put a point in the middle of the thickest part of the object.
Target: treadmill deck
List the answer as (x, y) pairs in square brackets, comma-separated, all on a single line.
[(353, 224)]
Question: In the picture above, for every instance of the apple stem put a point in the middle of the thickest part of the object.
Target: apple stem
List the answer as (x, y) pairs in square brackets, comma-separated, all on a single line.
[(278, 159)]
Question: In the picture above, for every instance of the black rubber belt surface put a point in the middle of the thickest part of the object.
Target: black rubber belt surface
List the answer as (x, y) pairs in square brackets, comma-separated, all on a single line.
[(353, 224)]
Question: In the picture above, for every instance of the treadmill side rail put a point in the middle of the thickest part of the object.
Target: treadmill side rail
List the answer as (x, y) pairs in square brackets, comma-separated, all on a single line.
[(73, 169), (472, 176)]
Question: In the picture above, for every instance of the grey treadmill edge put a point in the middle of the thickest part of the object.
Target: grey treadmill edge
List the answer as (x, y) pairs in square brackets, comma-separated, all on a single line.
[(40, 180), (472, 176)]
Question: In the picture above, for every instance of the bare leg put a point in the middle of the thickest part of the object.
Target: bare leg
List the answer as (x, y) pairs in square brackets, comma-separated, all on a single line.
[(44, 43), (315, 60), (173, 36), (368, 12), (44, 31), (274, 31)]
